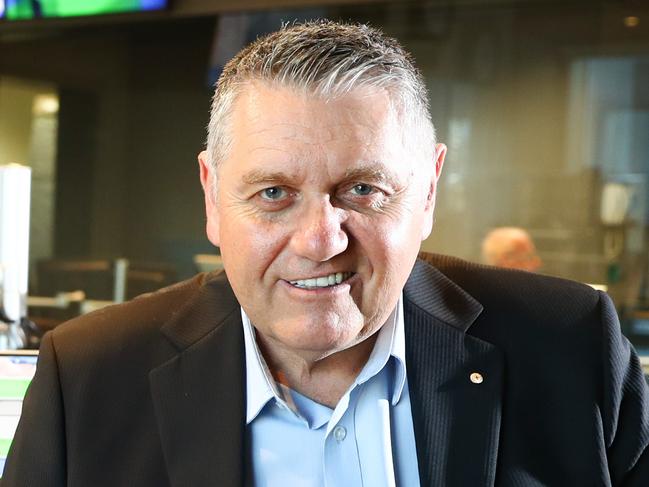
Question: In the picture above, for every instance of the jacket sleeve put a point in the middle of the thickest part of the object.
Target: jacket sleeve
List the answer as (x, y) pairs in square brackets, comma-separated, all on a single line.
[(37, 457), (626, 406)]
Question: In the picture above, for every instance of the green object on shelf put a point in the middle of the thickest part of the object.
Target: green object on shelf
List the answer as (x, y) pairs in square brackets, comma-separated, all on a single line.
[(613, 273)]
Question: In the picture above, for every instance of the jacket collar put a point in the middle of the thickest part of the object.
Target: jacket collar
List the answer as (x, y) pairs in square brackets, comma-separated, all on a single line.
[(435, 294)]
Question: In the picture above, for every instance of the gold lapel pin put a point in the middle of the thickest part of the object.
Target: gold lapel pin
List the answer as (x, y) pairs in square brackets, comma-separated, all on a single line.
[(476, 378)]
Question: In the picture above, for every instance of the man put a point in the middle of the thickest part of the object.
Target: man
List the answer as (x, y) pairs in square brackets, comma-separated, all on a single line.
[(327, 354), (511, 248)]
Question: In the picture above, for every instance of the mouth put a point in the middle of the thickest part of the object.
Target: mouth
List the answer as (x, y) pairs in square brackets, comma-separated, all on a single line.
[(323, 281)]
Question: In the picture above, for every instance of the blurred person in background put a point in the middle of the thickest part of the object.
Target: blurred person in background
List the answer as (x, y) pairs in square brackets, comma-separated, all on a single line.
[(510, 247)]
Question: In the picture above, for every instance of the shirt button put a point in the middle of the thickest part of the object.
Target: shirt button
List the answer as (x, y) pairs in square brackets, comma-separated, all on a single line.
[(340, 433)]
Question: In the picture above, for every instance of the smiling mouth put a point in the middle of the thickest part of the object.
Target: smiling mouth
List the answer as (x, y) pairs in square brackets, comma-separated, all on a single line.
[(323, 281)]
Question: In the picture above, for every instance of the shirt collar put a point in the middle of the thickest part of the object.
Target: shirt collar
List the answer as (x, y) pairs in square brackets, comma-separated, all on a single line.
[(261, 387), (390, 342)]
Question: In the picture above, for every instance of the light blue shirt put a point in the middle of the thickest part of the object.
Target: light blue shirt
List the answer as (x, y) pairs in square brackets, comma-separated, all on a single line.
[(367, 440)]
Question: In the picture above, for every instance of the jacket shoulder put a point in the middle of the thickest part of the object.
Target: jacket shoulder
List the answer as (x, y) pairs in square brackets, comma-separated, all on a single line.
[(520, 295), (135, 323)]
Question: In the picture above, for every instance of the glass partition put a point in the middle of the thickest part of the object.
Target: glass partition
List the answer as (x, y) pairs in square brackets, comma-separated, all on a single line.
[(544, 106)]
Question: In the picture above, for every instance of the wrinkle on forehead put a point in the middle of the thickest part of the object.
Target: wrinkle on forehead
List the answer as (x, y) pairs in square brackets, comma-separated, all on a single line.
[(355, 131), (300, 148), (354, 107), (260, 130)]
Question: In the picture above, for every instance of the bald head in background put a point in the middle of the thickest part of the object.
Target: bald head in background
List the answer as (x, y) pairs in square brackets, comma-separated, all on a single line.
[(510, 247)]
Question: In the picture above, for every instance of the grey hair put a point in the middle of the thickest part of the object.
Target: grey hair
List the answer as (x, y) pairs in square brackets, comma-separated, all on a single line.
[(326, 59)]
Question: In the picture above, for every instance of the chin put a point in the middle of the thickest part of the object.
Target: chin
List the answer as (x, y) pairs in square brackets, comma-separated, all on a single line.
[(319, 342), (319, 345)]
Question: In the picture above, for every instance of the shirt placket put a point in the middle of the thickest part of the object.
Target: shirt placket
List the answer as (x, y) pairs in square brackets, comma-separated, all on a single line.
[(341, 462)]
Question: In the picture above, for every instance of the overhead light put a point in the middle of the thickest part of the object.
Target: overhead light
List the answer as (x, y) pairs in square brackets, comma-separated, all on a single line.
[(631, 21)]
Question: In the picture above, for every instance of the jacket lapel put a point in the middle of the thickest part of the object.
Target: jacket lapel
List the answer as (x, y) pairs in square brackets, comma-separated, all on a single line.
[(456, 413), (199, 395)]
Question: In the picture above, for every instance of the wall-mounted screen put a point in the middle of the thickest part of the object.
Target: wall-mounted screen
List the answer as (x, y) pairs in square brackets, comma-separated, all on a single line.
[(35, 9)]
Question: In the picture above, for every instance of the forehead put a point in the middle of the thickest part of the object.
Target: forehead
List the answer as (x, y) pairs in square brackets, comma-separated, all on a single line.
[(272, 102), (270, 120)]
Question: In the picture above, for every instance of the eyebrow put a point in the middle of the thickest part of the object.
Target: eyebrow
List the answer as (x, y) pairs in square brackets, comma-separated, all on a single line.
[(259, 176), (373, 171)]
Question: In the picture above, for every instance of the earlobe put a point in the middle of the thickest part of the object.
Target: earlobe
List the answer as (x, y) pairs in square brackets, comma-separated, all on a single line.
[(205, 173), (211, 207), (429, 211), (440, 155)]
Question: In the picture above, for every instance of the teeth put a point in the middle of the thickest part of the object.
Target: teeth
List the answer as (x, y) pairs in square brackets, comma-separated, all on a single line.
[(324, 281)]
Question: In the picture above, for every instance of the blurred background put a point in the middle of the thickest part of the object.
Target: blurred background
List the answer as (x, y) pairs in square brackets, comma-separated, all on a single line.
[(544, 105)]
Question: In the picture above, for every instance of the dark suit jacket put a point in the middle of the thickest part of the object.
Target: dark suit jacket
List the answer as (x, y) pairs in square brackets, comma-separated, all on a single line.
[(152, 392)]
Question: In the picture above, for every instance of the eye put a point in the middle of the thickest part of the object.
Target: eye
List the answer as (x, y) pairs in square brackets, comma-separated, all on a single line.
[(362, 189), (274, 193)]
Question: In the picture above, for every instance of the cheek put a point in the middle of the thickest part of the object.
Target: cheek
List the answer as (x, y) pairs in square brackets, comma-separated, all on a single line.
[(386, 245), (249, 245), (401, 233), (391, 247)]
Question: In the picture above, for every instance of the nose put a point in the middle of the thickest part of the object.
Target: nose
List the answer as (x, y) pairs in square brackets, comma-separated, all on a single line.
[(319, 233)]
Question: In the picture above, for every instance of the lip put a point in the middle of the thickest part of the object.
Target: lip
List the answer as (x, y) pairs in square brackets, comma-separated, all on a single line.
[(330, 279), (321, 274), (342, 288)]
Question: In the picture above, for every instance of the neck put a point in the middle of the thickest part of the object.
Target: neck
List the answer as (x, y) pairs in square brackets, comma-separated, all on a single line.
[(325, 379)]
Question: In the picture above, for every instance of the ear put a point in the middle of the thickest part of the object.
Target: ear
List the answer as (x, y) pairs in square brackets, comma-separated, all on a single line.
[(429, 211), (208, 180)]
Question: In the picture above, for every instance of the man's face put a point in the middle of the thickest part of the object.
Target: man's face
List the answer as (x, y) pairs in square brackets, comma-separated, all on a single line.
[(319, 215)]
